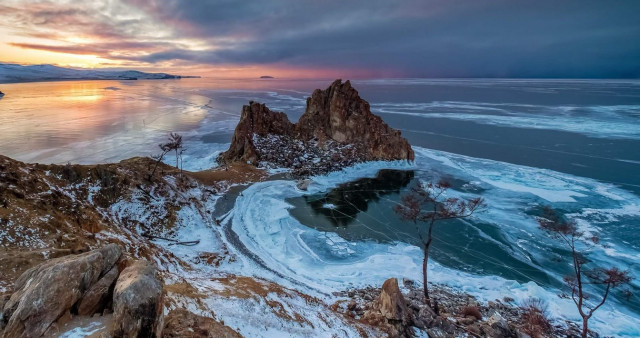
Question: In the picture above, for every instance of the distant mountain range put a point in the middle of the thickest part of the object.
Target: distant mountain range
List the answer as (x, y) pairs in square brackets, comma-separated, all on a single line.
[(18, 73)]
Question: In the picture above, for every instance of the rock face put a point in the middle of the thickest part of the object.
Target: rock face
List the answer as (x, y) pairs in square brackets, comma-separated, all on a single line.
[(48, 291), (256, 119), (96, 298), (137, 302), (339, 114), (389, 311), (336, 130), (392, 303)]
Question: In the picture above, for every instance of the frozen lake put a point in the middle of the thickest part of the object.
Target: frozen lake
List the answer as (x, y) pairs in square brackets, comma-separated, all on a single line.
[(520, 144)]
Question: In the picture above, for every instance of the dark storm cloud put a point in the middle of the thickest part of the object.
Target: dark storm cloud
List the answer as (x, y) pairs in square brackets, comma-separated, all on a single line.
[(417, 38), (494, 38)]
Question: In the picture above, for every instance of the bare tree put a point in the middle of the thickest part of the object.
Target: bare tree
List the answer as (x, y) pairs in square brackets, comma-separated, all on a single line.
[(428, 204), (174, 144), (604, 279), (181, 162)]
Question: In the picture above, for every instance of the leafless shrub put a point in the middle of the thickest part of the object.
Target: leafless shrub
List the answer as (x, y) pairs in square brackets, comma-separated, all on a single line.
[(174, 144), (606, 279), (535, 318)]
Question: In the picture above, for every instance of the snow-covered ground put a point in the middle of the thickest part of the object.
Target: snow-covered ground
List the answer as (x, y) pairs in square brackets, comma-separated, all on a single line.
[(319, 263), (19, 73), (260, 270)]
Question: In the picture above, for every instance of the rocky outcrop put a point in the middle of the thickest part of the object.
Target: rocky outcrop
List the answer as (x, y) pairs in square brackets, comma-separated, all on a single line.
[(138, 302), (392, 303), (182, 323), (336, 130), (54, 292), (339, 114), (389, 311), (50, 290), (97, 297), (458, 314), (256, 119)]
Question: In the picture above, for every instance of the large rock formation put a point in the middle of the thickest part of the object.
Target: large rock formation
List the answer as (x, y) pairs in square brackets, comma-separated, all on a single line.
[(336, 130), (54, 292), (138, 302), (48, 291), (339, 114)]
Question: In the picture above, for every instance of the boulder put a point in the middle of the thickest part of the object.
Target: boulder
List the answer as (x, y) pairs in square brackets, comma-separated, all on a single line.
[(49, 290), (499, 326), (303, 184), (138, 302), (97, 297), (425, 317), (392, 303), (182, 323)]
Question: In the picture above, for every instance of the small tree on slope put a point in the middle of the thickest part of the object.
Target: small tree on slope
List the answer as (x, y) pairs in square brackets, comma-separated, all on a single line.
[(603, 279), (427, 205), (174, 144)]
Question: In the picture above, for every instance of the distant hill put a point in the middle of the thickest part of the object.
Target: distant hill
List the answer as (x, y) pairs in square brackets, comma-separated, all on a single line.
[(267, 77), (19, 73)]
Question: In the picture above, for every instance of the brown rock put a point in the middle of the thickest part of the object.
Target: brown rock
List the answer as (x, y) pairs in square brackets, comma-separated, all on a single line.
[(182, 323), (339, 114), (392, 303), (47, 291), (97, 297), (337, 126), (256, 119), (138, 302)]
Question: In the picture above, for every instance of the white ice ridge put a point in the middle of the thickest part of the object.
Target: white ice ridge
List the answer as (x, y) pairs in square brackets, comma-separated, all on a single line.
[(616, 122), (319, 261)]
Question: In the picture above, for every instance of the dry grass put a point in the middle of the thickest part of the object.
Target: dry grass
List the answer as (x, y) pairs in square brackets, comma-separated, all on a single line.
[(471, 311), (184, 289), (535, 319), (234, 173), (252, 288)]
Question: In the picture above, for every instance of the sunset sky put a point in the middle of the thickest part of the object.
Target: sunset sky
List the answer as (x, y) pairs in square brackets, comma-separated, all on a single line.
[(329, 38)]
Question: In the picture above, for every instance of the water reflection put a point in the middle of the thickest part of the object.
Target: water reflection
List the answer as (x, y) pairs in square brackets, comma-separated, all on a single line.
[(342, 204), (362, 211)]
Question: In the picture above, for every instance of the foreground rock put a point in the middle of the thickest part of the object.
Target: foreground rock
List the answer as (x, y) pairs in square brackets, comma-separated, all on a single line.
[(389, 311), (46, 292), (336, 130), (137, 302), (182, 323), (458, 314)]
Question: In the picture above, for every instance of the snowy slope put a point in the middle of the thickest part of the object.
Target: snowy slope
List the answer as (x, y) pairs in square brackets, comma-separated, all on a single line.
[(19, 73)]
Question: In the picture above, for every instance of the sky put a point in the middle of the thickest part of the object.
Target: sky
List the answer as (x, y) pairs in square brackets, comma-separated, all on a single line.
[(329, 38)]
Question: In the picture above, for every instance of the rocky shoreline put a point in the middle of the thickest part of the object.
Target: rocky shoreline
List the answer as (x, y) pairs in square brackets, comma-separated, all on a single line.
[(401, 310)]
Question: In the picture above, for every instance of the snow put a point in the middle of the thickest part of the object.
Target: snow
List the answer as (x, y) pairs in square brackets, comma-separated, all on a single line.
[(320, 263), (19, 73), (305, 261), (85, 331)]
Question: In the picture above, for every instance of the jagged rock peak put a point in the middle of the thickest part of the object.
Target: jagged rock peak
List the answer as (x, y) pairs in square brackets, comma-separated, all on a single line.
[(338, 113), (336, 130), (256, 119)]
